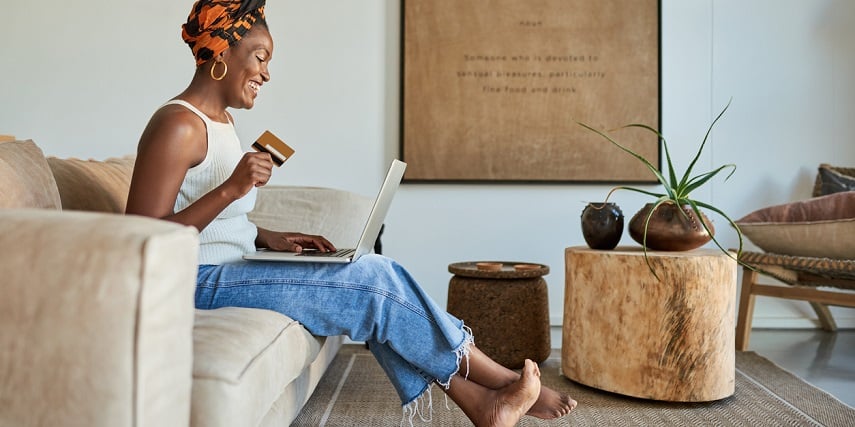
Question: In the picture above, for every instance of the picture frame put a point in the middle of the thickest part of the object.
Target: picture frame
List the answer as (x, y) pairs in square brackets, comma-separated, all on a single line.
[(494, 91)]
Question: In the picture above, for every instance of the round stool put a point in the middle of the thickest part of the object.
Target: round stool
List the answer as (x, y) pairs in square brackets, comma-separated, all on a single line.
[(507, 306)]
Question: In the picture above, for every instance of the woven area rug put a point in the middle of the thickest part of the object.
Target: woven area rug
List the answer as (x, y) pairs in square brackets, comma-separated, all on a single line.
[(355, 392)]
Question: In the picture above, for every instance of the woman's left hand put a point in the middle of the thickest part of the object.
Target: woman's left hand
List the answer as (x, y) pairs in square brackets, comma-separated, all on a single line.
[(292, 242)]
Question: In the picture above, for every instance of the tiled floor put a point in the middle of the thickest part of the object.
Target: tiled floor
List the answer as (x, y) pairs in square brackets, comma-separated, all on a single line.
[(824, 359)]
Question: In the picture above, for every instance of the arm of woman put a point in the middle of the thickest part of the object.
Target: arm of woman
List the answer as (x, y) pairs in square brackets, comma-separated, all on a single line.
[(174, 141)]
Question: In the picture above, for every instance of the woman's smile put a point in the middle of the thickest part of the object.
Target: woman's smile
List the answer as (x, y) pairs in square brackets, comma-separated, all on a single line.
[(254, 87)]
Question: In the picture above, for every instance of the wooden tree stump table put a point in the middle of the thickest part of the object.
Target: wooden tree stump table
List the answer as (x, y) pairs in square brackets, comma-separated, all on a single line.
[(627, 332)]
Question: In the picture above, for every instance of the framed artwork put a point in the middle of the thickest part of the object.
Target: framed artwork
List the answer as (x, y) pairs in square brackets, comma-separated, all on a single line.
[(493, 90)]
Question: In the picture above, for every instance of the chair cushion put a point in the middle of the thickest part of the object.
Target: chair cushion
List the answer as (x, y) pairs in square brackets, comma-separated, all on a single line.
[(91, 185), (830, 180), (25, 178), (819, 227), (243, 359)]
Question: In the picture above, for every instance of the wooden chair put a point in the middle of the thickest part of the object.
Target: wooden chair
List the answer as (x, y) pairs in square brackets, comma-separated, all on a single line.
[(801, 277)]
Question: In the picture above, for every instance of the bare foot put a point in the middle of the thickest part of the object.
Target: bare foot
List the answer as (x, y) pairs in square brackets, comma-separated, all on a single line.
[(517, 398), (483, 370), (551, 404)]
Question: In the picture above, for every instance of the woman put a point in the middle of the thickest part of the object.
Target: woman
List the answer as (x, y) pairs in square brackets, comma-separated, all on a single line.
[(190, 169)]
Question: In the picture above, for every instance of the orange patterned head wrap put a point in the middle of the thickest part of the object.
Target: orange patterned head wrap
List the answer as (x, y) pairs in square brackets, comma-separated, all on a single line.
[(215, 25)]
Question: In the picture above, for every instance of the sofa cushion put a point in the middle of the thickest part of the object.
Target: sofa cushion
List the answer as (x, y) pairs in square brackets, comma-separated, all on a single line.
[(25, 178), (818, 227), (242, 360), (92, 185), (289, 404)]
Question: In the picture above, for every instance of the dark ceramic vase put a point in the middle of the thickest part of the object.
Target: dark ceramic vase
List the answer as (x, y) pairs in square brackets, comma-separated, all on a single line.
[(669, 230), (602, 225)]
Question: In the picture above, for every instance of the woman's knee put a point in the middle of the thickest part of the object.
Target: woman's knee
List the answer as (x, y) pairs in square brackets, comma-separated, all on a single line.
[(385, 272), (378, 264)]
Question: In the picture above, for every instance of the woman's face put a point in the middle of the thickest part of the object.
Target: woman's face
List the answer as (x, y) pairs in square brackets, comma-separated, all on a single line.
[(247, 61)]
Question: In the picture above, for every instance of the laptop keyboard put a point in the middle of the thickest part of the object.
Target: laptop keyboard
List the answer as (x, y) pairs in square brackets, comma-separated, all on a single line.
[(341, 253)]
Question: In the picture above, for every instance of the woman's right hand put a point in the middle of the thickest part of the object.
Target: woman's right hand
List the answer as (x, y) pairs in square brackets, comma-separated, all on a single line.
[(253, 170)]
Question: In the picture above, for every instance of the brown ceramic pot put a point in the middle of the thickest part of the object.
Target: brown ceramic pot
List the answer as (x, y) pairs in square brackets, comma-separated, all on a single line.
[(669, 230), (602, 225)]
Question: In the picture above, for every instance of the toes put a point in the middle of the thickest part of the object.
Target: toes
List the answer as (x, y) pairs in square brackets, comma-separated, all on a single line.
[(531, 368)]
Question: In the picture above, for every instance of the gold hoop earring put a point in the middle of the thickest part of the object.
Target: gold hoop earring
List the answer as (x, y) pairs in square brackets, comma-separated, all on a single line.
[(225, 70)]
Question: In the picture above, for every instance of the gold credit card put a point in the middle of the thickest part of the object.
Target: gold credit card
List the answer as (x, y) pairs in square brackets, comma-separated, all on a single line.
[(278, 149)]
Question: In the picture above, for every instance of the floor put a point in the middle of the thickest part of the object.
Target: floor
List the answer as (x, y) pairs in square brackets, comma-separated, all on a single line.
[(824, 359)]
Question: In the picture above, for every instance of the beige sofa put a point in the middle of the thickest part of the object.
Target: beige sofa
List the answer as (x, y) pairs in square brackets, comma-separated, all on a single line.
[(97, 324)]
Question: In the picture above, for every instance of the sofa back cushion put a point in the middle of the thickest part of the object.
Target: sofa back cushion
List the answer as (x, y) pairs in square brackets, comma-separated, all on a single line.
[(91, 185), (25, 177), (338, 215)]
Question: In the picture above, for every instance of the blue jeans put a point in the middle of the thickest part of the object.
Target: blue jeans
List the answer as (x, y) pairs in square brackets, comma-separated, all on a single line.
[(373, 300)]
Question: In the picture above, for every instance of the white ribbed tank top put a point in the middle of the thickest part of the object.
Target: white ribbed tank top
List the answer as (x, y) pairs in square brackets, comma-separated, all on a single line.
[(230, 235)]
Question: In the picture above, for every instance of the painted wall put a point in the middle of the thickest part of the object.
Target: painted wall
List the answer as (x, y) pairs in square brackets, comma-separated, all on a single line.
[(82, 79)]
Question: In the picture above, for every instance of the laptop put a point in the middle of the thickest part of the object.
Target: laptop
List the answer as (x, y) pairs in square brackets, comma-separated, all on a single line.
[(366, 240)]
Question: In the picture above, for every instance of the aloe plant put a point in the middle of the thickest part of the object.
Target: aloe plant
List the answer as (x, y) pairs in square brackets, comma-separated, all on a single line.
[(677, 191)]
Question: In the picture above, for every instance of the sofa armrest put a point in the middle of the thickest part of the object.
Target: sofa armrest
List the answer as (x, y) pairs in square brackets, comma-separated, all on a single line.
[(96, 319), (338, 215)]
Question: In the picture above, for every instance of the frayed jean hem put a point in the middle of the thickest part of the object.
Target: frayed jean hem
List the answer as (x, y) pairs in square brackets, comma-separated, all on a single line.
[(417, 406)]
